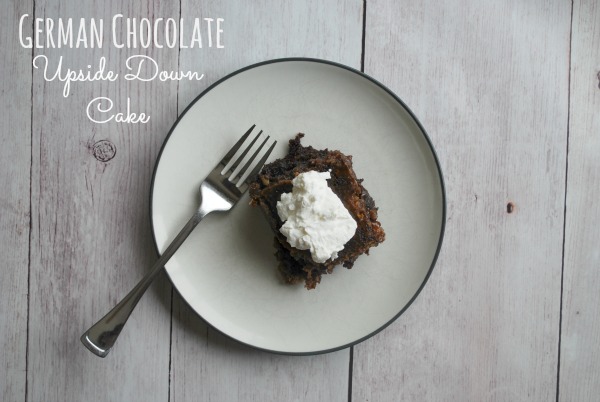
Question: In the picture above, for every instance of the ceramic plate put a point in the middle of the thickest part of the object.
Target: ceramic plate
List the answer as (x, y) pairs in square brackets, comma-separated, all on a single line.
[(226, 270)]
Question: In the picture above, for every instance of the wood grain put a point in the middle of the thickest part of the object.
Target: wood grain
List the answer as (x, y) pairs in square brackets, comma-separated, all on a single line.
[(208, 366), (91, 237), (15, 153), (270, 29), (580, 340), (205, 365), (490, 84)]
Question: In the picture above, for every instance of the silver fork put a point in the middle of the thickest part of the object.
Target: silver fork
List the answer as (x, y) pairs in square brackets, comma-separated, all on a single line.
[(220, 191)]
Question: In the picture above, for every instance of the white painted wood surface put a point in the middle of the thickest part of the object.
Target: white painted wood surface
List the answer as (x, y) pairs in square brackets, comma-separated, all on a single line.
[(91, 240), (489, 81), (490, 84), (230, 371), (15, 109), (580, 340)]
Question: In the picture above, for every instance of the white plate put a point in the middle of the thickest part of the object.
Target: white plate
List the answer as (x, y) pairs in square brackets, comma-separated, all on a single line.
[(226, 270)]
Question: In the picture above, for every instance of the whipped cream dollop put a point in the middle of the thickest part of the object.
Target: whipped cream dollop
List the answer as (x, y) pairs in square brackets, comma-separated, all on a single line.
[(314, 217)]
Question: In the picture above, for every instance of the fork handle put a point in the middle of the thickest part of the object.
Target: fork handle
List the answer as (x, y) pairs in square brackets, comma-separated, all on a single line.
[(101, 337)]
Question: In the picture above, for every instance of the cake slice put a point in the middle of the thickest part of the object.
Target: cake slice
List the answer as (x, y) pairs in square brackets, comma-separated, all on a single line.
[(297, 265)]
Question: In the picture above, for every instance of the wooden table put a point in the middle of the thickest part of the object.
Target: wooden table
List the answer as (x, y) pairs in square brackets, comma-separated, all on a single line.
[(509, 93)]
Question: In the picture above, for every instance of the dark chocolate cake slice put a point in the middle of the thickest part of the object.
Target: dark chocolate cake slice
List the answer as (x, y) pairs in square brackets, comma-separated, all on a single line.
[(276, 178)]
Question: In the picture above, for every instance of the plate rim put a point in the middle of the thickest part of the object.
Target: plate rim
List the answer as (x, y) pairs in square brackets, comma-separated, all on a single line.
[(429, 144)]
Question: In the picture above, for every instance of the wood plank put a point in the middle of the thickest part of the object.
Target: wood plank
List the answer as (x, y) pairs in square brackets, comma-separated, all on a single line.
[(91, 237), (490, 84), (205, 365), (208, 366), (580, 338), (15, 114), (269, 29)]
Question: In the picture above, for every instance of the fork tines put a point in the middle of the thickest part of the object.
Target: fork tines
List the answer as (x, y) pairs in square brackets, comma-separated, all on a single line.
[(231, 162)]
